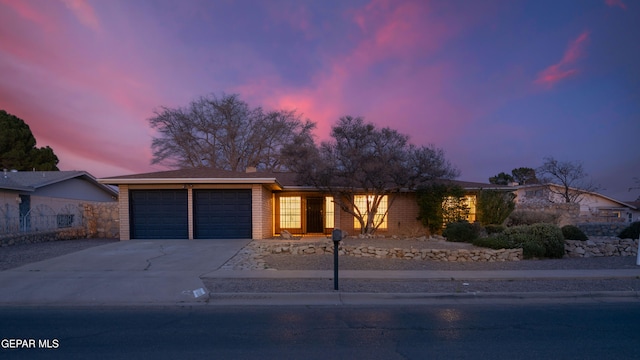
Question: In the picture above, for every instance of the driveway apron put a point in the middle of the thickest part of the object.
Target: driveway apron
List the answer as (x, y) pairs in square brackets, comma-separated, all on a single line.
[(126, 272)]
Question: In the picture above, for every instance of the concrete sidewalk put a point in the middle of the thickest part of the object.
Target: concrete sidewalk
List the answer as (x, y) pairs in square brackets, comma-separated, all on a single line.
[(423, 298), (432, 274), (166, 272)]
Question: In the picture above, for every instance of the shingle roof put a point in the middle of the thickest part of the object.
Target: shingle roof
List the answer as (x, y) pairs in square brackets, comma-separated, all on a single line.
[(204, 175), (32, 180), (8, 183), (285, 179), (38, 179)]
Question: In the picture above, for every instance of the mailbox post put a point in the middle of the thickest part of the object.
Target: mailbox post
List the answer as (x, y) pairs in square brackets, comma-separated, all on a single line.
[(336, 236)]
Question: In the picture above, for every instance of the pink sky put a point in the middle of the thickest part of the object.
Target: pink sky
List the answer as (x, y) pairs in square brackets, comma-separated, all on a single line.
[(496, 84)]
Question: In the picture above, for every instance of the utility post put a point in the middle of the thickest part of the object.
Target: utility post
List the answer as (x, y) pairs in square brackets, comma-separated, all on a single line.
[(336, 236)]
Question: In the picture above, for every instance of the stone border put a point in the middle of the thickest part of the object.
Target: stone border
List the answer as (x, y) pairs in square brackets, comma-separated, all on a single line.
[(601, 247), (453, 255), (43, 236)]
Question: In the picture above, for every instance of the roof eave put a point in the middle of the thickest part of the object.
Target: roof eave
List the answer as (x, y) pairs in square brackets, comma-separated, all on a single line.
[(167, 181), (17, 188)]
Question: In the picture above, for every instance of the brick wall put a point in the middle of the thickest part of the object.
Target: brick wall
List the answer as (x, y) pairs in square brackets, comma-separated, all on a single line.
[(267, 213), (261, 213), (401, 218)]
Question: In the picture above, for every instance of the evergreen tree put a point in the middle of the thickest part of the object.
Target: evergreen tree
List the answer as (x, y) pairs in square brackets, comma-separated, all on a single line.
[(18, 149)]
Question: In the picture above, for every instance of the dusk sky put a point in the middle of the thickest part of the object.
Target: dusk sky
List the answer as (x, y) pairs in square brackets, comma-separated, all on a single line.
[(496, 84)]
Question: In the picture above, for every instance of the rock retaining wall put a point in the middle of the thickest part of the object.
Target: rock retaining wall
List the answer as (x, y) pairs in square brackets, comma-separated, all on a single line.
[(101, 219), (601, 247), (602, 229), (460, 255), (43, 236)]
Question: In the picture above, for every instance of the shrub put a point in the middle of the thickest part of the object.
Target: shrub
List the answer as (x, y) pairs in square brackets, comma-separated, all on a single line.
[(533, 249), (571, 232), (548, 236), (529, 217), (527, 242), (494, 229), (461, 231), (439, 204), (493, 207), (536, 241), (496, 241), (631, 232)]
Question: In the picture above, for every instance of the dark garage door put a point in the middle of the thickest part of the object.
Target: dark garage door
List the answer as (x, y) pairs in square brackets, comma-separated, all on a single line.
[(222, 214), (159, 214)]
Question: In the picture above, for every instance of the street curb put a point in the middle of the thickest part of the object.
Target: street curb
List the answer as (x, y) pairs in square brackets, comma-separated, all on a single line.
[(342, 298), (358, 299)]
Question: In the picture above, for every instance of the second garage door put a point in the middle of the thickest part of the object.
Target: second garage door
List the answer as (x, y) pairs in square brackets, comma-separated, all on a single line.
[(222, 214)]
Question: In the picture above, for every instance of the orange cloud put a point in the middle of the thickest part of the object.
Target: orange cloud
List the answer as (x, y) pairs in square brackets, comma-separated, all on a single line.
[(618, 3), (391, 36), (566, 67)]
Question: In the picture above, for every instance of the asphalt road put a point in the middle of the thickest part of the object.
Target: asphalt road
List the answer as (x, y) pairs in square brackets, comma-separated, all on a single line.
[(543, 331)]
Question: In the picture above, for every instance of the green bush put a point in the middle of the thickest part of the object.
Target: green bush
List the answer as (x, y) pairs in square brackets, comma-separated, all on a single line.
[(548, 236), (533, 249), (493, 206), (631, 232), (461, 231), (494, 229), (529, 217), (495, 241), (439, 204), (536, 241), (571, 232)]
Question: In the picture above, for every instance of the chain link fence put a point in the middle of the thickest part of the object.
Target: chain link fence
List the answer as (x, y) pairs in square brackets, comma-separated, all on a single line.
[(40, 218)]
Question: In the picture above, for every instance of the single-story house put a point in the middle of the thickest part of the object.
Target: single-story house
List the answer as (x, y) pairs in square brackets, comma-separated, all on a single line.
[(208, 204), (594, 207), (39, 200)]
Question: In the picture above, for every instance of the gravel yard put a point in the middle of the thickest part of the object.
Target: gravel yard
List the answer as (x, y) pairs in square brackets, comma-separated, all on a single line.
[(325, 262), (18, 255)]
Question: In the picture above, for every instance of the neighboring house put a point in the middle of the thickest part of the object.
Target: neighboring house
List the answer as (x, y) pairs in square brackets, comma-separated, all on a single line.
[(636, 213), (44, 200), (209, 204), (594, 207)]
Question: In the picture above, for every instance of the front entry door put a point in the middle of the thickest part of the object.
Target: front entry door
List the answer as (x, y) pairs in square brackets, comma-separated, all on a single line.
[(314, 215)]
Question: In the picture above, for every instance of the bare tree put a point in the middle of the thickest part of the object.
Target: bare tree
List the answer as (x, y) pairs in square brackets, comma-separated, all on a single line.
[(569, 176), (637, 186), (362, 159), (225, 133)]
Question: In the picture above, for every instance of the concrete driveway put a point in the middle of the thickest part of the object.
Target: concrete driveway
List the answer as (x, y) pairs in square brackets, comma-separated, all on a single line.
[(126, 272)]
